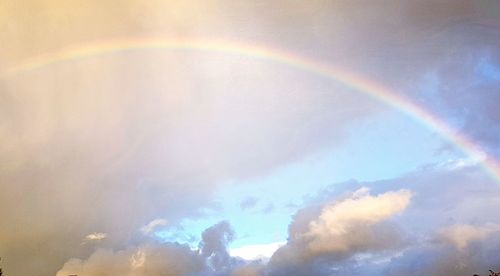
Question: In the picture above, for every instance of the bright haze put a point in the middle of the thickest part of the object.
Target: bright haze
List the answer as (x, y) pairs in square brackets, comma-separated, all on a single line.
[(249, 137)]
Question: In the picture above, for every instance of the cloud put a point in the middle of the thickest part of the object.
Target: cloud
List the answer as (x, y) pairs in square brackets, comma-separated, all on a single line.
[(248, 203), (152, 258), (164, 259), (459, 250), (213, 246), (439, 233), (268, 208), (344, 228), (96, 236), (119, 145), (251, 269), (118, 140), (388, 232), (338, 221), (462, 235), (152, 225)]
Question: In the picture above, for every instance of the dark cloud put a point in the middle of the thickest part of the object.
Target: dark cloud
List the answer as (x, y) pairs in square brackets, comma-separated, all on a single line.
[(213, 246), (478, 257)]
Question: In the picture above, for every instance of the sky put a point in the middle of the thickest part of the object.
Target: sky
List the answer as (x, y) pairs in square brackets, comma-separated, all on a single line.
[(249, 138)]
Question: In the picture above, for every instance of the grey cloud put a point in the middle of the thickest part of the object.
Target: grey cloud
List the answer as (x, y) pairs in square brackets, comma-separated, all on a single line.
[(462, 235), (252, 269), (445, 259), (213, 246), (248, 203)]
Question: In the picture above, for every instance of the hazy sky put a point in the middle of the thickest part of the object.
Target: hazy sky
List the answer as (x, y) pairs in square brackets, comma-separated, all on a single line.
[(119, 160)]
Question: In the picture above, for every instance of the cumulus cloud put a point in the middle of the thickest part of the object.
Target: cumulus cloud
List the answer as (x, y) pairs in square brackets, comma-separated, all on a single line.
[(152, 258), (332, 230), (164, 259), (439, 233), (213, 246), (389, 232), (344, 228)]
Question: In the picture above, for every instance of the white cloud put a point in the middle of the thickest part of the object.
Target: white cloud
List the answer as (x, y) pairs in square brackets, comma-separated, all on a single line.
[(96, 236), (459, 163), (345, 227)]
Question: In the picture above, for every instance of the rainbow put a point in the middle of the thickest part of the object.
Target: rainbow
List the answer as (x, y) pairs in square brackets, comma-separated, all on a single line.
[(342, 76)]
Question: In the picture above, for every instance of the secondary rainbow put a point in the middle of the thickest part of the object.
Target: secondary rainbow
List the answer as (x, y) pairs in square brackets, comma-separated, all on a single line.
[(349, 79)]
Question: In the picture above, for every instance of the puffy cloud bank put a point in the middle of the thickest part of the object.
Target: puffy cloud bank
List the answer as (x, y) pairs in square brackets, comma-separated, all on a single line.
[(341, 229), (160, 259), (374, 230), (165, 259), (430, 228)]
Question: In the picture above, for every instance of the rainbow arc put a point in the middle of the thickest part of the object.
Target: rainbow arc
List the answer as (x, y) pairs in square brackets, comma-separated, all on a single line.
[(349, 79)]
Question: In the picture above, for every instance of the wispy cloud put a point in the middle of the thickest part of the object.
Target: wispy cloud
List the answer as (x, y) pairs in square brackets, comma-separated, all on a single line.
[(96, 236)]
